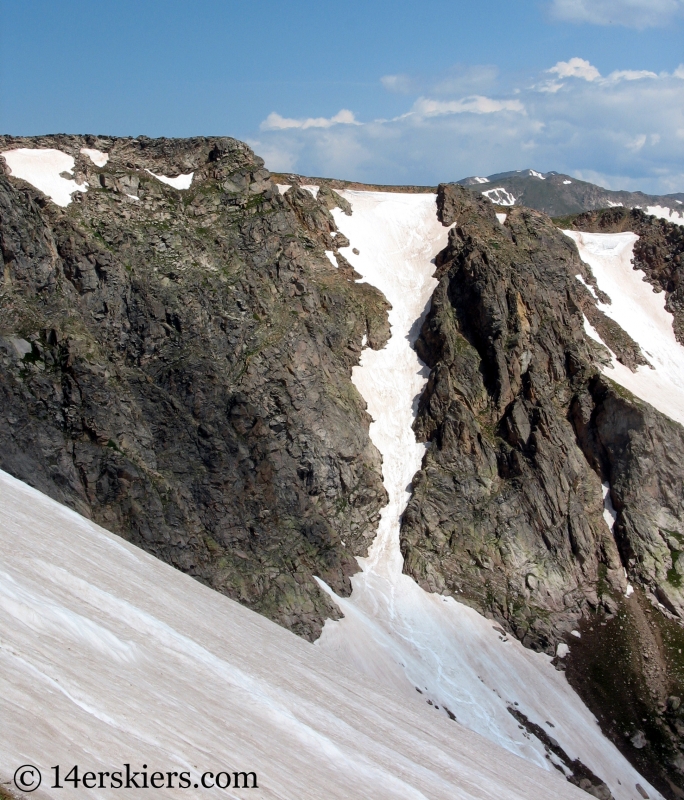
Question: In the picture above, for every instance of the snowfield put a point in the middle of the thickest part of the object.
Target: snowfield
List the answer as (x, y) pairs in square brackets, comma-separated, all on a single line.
[(43, 168), (641, 312), (108, 656), (666, 213), (393, 631)]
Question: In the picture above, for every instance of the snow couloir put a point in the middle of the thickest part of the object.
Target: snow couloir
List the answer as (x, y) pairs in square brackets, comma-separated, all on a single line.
[(416, 643)]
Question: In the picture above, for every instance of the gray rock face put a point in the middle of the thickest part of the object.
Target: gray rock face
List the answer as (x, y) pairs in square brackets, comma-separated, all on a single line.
[(178, 368), (506, 512)]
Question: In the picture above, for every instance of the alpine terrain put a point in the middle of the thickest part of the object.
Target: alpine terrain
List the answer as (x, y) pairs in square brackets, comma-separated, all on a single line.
[(422, 451)]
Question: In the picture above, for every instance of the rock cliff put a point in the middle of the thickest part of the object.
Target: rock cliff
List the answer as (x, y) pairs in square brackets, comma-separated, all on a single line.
[(507, 510), (175, 364)]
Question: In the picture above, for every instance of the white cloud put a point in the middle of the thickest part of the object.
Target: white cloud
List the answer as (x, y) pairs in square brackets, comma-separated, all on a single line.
[(629, 13), (575, 68), (627, 127), (274, 122), (426, 107), (630, 75)]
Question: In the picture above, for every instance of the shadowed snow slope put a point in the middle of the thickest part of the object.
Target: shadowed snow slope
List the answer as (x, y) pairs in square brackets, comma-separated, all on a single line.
[(393, 630), (641, 312), (109, 656)]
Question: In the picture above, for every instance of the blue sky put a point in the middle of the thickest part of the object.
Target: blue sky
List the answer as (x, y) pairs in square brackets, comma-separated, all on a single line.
[(391, 92)]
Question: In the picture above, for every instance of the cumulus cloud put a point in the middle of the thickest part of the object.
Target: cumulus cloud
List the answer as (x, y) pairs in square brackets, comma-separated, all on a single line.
[(274, 122), (576, 68), (628, 125), (476, 104), (629, 13)]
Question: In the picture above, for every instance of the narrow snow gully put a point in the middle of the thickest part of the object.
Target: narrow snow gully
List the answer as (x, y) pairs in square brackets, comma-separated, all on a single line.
[(424, 647)]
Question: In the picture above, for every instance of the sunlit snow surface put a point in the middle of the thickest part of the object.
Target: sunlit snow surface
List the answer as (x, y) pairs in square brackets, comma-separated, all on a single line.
[(96, 156), (179, 182), (666, 213), (393, 631), (109, 656), (641, 312), (42, 168)]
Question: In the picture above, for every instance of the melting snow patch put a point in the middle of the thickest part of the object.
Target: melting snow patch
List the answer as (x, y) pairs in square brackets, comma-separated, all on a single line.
[(590, 288), (501, 218), (609, 512), (630, 590), (313, 189), (562, 650), (666, 213), (43, 169), (96, 156), (500, 196), (641, 312), (283, 187), (576, 634), (179, 182)]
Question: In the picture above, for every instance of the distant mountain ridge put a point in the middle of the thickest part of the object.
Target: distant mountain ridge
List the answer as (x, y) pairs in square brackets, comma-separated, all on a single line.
[(558, 195)]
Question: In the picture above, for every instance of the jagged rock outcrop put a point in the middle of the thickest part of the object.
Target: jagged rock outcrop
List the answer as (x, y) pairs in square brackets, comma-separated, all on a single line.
[(507, 511), (176, 366)]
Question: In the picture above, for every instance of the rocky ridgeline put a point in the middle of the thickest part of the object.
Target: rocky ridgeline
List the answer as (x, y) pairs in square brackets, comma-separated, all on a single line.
[(507, 510), (177, 367)]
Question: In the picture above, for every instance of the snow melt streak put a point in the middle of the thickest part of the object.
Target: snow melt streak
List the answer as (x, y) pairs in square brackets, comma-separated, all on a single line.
[(108, 656), (392, 629)]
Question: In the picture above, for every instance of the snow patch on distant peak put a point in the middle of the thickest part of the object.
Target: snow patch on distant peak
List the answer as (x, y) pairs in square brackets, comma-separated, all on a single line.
[(96, 156), (179, 182), (567, 183), (536, 174), (500, 197), (616, 205), (481, 180), (43, 168)]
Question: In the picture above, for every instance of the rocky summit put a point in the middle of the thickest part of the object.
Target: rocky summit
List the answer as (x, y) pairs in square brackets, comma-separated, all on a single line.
[(178, 331)]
